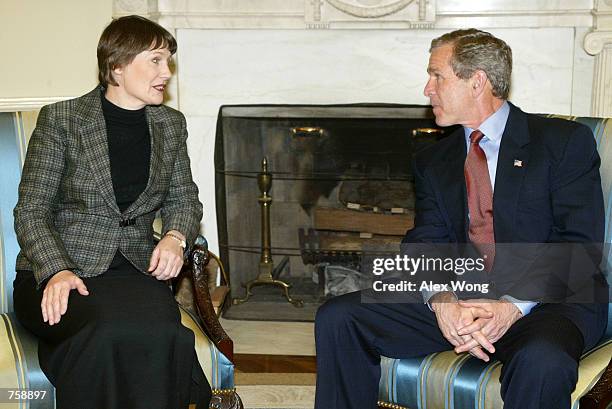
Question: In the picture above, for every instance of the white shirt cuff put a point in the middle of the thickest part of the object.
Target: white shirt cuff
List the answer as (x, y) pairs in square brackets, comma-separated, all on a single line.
[(523, 306)]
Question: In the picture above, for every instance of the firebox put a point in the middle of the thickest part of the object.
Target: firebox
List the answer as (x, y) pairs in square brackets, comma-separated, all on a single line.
[(342, 185)]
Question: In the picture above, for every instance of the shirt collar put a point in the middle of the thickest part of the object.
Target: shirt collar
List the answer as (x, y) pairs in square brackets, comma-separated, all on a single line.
[(493, 127)]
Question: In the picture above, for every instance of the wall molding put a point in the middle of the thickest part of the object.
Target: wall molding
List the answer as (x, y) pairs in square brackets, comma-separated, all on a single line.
[(28, 104), (501, 13), (358, 14), (283, 14)]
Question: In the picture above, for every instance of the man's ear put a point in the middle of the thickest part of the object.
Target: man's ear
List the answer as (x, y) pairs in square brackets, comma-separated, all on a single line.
[(478, 81)]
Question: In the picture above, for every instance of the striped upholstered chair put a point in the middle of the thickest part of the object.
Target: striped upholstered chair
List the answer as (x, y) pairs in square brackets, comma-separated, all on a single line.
[(19, 367), (450, 381)]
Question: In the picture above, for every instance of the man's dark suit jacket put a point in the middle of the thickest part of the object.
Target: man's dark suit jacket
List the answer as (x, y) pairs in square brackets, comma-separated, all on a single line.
[(67, 217), (551, 195)]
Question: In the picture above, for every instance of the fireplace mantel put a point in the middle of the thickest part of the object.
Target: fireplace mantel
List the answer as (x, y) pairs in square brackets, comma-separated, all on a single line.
[(359, 14)]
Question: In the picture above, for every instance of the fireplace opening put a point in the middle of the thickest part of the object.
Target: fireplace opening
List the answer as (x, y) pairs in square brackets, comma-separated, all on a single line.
[(342, 188)]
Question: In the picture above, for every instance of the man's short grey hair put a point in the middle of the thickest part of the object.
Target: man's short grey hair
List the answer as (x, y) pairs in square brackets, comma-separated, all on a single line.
[(478, 50)]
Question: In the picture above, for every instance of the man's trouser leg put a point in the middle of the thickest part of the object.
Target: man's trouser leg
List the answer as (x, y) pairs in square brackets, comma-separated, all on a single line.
[(540, 355), (351, 336)]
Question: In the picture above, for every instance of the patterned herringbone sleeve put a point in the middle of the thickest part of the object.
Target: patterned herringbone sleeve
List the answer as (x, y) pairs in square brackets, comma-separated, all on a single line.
[(38, 191), (182, 210)]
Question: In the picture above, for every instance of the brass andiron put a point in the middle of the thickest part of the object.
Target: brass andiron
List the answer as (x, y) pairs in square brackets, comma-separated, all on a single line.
[(268, 275)]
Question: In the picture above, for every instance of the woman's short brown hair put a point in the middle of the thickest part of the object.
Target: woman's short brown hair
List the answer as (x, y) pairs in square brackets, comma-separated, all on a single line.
[(126, 37)]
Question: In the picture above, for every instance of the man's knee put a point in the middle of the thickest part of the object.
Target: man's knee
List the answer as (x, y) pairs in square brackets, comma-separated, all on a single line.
[(546, 351), (335, 313), (544, 361)]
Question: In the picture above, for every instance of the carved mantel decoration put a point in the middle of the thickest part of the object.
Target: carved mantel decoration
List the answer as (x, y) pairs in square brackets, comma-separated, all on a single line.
[(272, 14), (362, 13), (369, 9), (599, 43)]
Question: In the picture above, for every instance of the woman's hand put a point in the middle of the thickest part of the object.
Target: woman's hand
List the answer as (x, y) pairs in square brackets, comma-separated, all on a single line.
[(54, 302), (167, 258)]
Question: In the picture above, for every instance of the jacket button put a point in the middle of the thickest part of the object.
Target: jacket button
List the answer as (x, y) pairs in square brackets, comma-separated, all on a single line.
[(127, 222)]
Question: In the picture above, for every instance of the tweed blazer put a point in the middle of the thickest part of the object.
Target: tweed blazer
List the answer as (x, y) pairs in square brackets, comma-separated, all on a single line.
[(67, 216)]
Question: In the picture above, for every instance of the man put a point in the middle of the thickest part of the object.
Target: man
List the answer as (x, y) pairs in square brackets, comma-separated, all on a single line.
[(544, 174)]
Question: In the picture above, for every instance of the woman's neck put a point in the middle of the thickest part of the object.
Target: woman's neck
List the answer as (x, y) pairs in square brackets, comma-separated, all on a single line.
[(119, 97)]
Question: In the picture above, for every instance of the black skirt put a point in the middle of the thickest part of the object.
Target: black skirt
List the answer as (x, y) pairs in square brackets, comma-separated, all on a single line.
[(120, 347)]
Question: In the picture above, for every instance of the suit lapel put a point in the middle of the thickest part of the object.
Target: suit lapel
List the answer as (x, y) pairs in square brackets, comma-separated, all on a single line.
[(512, 160), (156, 131), (452, 184), (93, 137)]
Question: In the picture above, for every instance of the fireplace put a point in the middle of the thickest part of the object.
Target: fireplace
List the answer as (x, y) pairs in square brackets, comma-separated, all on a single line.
[(342, 183)]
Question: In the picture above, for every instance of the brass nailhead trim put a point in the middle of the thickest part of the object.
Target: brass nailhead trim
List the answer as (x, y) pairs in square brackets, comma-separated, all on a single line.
[(223, 391), (390, 405)]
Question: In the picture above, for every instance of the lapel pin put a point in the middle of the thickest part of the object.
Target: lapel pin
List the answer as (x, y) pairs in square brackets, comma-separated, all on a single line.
[(518, 163)]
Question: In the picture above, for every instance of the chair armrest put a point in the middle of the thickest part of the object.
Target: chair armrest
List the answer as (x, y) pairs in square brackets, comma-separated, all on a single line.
[(600, 396), (198, 259)]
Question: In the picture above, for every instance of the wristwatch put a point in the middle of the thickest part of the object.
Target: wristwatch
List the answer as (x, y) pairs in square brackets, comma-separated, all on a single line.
[(182, 242)]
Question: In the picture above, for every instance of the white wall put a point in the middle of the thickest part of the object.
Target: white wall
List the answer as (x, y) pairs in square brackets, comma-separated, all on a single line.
[(49, 47)]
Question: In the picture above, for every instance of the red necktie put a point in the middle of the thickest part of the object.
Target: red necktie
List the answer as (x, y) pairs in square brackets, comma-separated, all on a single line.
[(480, 200)]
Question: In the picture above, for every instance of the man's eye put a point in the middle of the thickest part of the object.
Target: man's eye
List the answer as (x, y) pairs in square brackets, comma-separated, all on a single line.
[(155, 60)]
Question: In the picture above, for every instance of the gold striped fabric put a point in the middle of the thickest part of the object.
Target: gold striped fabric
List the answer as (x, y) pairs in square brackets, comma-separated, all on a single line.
[(19, 368), (437, 386), (440, 376), (12, 374)]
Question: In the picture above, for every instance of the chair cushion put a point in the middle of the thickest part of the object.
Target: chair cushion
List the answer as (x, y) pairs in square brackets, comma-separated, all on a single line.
[(446, 380)]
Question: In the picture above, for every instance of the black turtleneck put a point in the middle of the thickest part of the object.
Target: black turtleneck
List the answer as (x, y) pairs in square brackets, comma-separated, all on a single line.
[(129, 148)]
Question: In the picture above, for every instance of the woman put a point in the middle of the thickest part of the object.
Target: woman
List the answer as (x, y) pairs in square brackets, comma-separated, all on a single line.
[(90, 282)]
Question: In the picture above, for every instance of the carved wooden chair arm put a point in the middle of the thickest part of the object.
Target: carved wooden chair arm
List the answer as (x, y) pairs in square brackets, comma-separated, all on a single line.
[(198, 259)]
